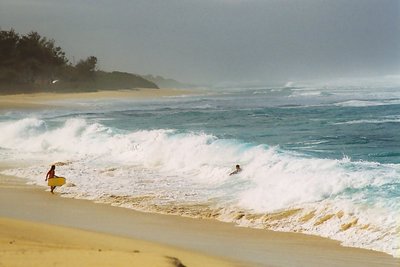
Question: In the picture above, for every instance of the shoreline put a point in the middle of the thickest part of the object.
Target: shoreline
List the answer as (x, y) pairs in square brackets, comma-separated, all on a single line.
[(236, 216), (43, 241), (244, 246), (35, 101)]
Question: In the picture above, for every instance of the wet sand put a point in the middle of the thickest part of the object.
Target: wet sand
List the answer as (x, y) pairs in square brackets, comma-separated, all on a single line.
[(223, 243)]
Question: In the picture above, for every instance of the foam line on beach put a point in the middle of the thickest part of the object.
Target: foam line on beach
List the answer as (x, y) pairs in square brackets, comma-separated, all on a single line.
[(243, 246)]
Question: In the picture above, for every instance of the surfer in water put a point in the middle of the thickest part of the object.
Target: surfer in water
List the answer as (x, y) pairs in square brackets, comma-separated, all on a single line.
[(51, 174), (238, 169)]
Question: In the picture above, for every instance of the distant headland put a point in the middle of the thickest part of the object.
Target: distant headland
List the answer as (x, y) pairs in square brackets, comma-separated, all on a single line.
[(32, 63)]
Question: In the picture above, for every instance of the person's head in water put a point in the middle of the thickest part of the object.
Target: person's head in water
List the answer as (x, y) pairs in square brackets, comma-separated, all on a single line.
[(238, 169)]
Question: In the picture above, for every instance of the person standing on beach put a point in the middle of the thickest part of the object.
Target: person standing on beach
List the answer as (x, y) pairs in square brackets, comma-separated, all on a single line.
[(51, 174)]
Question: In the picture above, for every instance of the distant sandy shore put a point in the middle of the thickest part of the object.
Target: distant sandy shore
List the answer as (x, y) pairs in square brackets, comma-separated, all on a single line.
[(41, 229), (46, 100)]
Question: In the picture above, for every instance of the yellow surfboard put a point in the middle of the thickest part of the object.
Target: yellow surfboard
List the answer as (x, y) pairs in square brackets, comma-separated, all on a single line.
[(59, 181)]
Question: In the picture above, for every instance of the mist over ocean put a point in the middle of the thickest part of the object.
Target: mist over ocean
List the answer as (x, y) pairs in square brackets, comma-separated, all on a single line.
[(322, 159)]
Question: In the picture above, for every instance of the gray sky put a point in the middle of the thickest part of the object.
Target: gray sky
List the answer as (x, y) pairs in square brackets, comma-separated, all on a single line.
[(210, 41)]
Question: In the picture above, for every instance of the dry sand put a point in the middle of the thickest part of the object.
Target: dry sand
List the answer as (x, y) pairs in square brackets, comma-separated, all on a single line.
[(47, 100), (121, 229), (24, 243)]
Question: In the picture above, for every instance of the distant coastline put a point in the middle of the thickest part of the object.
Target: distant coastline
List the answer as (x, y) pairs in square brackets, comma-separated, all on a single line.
[(32, 63), (103, 81)]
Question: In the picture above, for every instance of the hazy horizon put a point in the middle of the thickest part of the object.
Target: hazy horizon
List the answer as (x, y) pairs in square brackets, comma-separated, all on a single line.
[(217, 41)]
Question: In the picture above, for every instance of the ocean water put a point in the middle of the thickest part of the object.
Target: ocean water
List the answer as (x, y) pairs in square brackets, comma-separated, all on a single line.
[(320, 159)]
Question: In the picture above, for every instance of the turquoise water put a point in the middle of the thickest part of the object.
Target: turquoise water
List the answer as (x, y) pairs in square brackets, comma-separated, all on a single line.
[(324, 126), (330, 149)]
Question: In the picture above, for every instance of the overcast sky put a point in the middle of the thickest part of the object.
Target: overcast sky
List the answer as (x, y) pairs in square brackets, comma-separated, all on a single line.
[(210, 41)]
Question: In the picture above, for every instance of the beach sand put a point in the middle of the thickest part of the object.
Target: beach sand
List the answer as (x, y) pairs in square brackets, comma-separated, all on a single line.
[(47, 100), (27, 241), (84, 233), (24, 243)]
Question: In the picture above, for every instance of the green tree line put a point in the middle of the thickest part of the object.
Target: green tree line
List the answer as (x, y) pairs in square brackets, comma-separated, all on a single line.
[(32, 62)]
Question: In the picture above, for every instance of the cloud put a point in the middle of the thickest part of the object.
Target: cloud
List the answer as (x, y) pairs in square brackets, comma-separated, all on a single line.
[(221, 40)]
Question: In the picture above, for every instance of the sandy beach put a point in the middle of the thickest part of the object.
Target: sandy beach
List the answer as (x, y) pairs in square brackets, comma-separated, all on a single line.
[(39, 241), (24, 243), (49, 230), (46, 100)]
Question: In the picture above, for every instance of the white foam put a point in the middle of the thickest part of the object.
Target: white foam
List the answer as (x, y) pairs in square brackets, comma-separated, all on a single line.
[(386, 119), (306, 93)]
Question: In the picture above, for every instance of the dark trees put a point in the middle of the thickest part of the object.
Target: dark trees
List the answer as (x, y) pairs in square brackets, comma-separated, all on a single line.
[(86, 68), (33, 59), (32, 63), (29, 58)]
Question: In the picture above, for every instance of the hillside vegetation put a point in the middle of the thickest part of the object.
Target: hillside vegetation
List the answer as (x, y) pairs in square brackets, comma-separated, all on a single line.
[(32, 63)]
